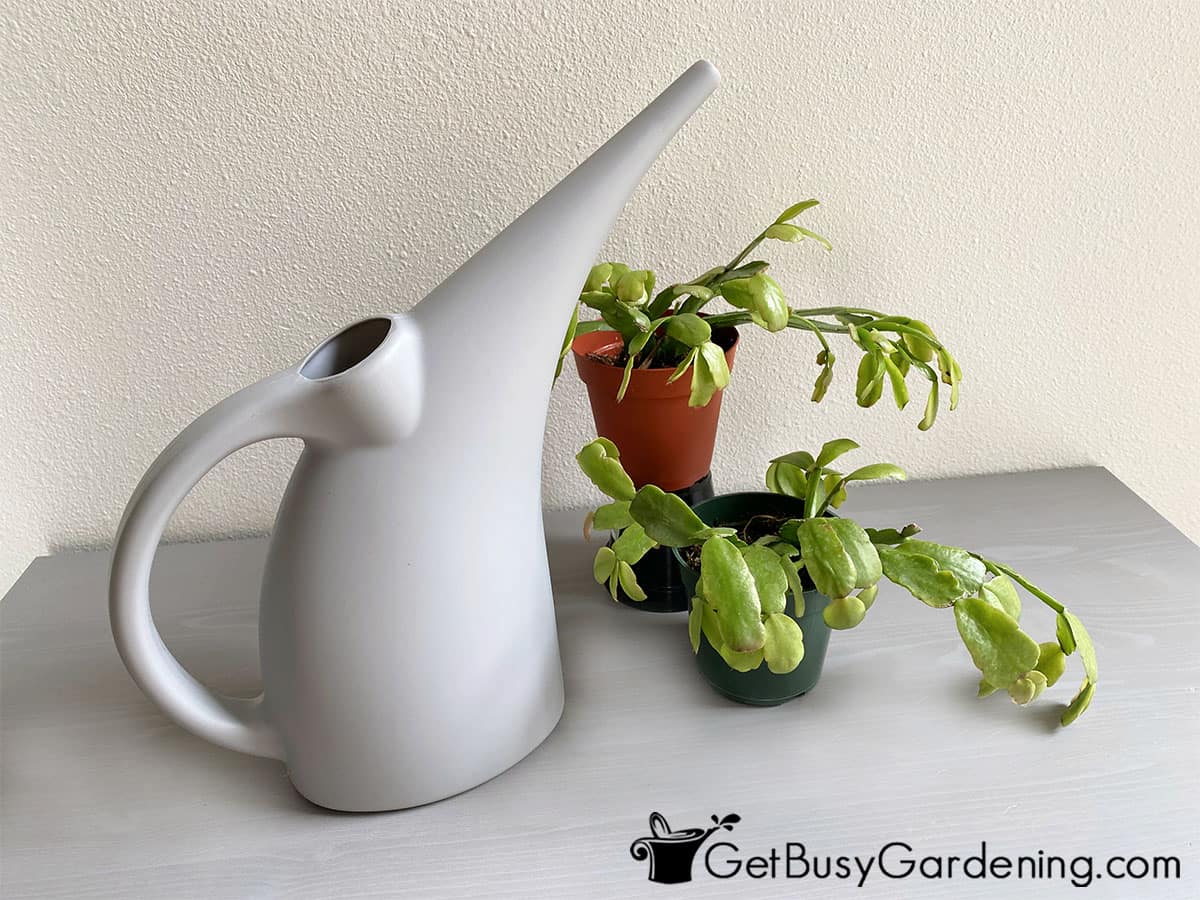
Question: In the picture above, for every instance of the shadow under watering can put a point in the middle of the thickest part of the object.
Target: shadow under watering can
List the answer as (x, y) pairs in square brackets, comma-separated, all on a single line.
[(380, 690)]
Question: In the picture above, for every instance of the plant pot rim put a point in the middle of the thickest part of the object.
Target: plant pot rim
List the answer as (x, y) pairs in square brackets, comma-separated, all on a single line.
[(746, 495), (729, 332)]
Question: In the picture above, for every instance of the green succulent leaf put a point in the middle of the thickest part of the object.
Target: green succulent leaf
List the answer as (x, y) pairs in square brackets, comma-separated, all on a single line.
[(829, 565), (769, 579), (788, 233), (892, 535), (612, 516), (833, 487), (896, 377), (686, 364), (635, 347), (597, 300), (1083, 644), (955, 380), (762, 297), (771, 479), (729, 586), (709, 374), (935, 574), (1002, 593), (629, 582), (636, 344), (868, 567), (1062, 631), (648, 282), (604, 565), (869, 387), (745, 270), (632, 544), (801, 459), (783, 646), (831, 450), (666, 517), (710, 625), (741, 662), (1027, 688), (618, 271), (1052, 662), (704, 386), (795, 209), (609, 448), (812, 235), (792, 575), (597, 276), (985, 689), (998, 646), (568, 338), (921, 576), (931, 408), (695, 623), (821, 385), (876, 471), (689, 329), (917, 346), (737, 292), (789, 532), (947, 367), (600, 462), (844, 613), (868, 595), (698, 291), (838, 555), (771, 304), (629, 320), (784, 478), (635, 287), (1079, 703)]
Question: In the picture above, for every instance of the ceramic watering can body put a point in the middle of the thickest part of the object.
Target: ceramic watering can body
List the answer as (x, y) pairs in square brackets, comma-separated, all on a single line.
[(407, 654), (407, 632)]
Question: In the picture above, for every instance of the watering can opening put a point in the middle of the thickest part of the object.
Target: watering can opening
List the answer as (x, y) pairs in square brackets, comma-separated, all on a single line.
[(346, 349)]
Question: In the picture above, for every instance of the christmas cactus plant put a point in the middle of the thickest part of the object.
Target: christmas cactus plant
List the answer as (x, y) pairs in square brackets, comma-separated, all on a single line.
[(669, 328), (746, 575)]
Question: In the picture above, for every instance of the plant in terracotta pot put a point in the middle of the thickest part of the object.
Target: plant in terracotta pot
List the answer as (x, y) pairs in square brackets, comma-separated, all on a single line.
[(656, 361), (771, 572)]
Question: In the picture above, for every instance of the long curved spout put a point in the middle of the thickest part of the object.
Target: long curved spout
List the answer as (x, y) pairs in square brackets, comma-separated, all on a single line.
[(526, 277), (490, 333)]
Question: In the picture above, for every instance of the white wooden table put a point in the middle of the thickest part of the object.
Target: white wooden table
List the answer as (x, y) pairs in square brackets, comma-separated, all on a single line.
[(103, 797)]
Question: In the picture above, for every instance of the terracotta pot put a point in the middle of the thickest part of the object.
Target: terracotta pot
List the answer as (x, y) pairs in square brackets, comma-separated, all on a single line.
[(662, 440)]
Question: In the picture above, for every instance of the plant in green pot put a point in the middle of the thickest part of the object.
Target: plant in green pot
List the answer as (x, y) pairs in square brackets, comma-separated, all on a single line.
[(656, 361), (772, 572)]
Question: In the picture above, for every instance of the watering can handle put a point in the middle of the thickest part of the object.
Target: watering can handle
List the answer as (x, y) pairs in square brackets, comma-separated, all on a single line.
[(262, 411)]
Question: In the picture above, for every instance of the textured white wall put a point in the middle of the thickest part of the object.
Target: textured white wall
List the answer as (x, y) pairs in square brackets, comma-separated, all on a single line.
[(191, 195)]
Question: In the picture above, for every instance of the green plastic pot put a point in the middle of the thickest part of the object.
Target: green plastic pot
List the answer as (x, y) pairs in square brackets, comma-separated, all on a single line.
[(761, 686)]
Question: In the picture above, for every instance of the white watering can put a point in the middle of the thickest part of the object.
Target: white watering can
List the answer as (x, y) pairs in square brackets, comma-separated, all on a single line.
[(406, 626)]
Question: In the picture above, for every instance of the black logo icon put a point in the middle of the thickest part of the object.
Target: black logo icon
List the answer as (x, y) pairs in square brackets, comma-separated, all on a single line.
[(671, 852)]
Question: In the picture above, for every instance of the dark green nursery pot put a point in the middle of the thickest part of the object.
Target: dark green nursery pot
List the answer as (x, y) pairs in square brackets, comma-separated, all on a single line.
[(761, 686)]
